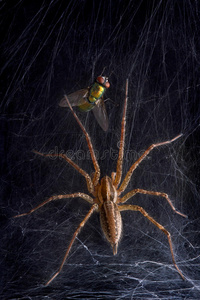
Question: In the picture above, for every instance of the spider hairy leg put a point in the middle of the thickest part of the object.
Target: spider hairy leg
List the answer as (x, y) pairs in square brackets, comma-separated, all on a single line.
[(81, 225), (90, 146), (167, 233), (140, 159), (58, 197), (159, 194), (122, 140), (113, 175), (89, 182)]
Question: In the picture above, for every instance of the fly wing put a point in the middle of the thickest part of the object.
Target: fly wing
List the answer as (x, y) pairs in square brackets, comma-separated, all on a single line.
[(100, 114), (77, 98)]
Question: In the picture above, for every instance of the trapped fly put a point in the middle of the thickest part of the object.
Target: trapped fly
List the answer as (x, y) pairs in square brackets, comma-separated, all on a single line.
[(91, 98)]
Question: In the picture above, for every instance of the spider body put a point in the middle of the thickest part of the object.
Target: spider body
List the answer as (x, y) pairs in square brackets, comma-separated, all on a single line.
[(105, 193), (110, 217)]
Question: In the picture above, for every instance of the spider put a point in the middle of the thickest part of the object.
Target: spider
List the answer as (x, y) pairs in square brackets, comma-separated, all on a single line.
[(105, 192)]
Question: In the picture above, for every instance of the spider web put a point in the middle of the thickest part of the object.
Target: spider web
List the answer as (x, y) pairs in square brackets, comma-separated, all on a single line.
[(53, 47)]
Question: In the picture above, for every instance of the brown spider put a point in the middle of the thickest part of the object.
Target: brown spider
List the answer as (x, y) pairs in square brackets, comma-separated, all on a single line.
[(106, 193)]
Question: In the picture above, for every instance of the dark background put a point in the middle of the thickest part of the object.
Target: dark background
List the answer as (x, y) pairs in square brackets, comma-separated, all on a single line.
[(52, 47)]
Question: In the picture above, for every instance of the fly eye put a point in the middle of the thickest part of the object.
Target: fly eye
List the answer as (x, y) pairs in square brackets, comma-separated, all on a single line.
[(107, 84), (101, 79)]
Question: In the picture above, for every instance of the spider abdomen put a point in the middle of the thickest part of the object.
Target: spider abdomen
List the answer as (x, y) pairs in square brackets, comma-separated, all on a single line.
[(111, 223)]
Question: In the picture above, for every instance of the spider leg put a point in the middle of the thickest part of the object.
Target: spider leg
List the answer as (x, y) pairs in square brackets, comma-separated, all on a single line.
[(122, 138), (159, 194), (90, 185), (58, 197), (90, 146), (93, 208), (146, 215), (135, 165)]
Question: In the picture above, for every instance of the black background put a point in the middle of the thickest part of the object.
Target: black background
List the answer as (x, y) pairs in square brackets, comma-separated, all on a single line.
[(52, 47)]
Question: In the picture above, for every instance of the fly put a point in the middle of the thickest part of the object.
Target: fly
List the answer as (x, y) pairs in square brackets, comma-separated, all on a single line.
[(91, 99)]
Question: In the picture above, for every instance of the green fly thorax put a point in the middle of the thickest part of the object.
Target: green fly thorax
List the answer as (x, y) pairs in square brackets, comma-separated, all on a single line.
[(96, 92)]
